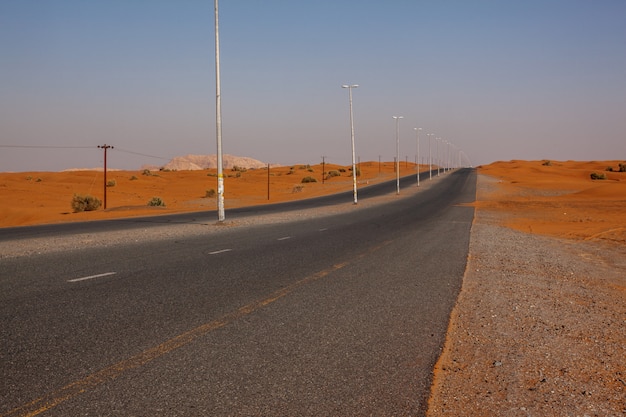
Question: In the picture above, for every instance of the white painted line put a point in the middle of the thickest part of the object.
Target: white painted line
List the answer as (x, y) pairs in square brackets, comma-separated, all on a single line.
[(323, 230), (106, 274), (284, 238), (217, 252)]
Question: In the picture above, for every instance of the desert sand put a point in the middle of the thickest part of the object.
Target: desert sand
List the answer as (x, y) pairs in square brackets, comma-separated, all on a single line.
[(560, 199), (29, 198), (552, 198)]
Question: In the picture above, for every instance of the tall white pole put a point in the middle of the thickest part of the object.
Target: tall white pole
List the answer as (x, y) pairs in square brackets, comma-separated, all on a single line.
[(397, 118), (430, 158), (417, 135), (437, 160), (218, 123), (350, 87)]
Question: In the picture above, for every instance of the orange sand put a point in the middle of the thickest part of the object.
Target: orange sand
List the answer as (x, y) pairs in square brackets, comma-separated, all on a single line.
[(29, 198), (559, 199)]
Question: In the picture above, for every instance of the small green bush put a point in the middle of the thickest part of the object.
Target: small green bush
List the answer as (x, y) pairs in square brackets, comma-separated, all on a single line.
[(146, 172), (342, 170), (610, 169), (87, 202), (596, 176), (111, 183), (547, 163), (308, 179), (210, 193), (622, 167), (156, 202), (134, 178)]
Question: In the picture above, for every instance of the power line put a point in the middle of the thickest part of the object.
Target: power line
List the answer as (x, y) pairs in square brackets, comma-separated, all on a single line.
[(45, 147), (141, 154)]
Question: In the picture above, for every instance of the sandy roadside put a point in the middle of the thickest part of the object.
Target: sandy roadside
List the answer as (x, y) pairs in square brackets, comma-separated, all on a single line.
[(539, 328)]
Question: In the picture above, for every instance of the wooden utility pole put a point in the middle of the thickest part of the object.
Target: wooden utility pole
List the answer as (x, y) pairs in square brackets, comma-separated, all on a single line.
[(268, 181), (323, 168), (105, 147)]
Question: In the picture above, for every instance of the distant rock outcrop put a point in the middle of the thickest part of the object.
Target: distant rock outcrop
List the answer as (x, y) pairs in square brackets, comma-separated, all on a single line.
[(198, 162)]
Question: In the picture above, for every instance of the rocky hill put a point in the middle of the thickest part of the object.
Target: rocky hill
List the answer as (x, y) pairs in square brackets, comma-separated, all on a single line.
[(198, 162)]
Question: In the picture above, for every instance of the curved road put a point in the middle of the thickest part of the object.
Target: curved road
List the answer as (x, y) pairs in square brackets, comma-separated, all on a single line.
[(341, 315)]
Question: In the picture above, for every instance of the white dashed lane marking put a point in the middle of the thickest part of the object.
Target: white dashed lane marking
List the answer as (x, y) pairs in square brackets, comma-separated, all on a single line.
[(217, 252), (106, 274)]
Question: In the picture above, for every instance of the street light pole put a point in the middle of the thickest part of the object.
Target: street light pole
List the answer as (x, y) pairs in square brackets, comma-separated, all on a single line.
[(438, 139), (350, 87), (397, 118), (430, 159), (417, 135), (218, 123)]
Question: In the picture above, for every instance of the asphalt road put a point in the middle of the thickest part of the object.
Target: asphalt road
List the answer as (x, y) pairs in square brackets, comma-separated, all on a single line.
[(342, 315)]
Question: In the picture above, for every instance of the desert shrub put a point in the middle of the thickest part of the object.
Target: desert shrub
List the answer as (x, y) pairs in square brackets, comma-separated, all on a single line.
[(610, 169), (111, 183), (308, 179), (239, 169), (291, 171), (146, 172), (622, 167), (87, 202), (156, 202), (596, 176), (310, 169), (38, 180), (297, 188), (333, 173), (358, 171), (29, 178), (210, 193), (547, 163), (133, 178), (342, 170)]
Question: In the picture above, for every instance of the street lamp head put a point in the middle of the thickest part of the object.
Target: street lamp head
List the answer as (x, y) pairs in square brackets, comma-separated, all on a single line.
[(349, 86), (398, 117)]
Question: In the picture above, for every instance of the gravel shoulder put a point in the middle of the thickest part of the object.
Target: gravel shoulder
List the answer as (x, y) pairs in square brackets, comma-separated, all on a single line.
[(539, 328)]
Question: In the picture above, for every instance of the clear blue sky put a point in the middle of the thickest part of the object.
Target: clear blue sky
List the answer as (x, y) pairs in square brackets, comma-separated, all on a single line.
[(499, 79)]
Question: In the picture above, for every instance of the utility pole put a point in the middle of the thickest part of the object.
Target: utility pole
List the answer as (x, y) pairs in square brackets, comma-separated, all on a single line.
[(268, 181), (105, 147), (323, 168)]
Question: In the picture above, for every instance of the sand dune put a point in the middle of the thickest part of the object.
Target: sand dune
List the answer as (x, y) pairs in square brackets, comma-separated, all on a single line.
[(560, 198)]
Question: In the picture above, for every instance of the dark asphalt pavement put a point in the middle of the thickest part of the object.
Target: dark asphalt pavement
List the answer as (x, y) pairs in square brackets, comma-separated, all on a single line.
[(342, 315)]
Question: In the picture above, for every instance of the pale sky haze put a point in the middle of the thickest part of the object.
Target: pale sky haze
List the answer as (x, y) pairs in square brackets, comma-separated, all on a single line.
[(499, 79)]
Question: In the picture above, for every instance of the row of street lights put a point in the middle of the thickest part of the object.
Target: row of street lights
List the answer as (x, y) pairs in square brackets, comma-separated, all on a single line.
[(350, 87), (397, 164)]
